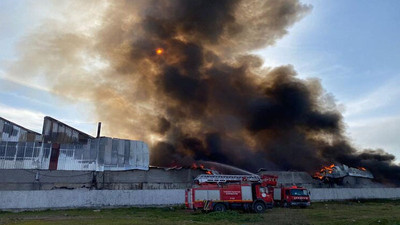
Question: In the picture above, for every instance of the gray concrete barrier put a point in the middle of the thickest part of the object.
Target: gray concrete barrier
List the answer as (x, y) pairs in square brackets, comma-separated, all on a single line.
[(328, 194), (81, 198), (154, 178)]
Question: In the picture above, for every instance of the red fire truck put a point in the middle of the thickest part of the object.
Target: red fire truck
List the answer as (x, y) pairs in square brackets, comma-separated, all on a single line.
[(292, 196), (248, 192), (222, 192)]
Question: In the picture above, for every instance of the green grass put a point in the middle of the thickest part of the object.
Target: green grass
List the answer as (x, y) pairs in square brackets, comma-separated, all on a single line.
[(331, 213)]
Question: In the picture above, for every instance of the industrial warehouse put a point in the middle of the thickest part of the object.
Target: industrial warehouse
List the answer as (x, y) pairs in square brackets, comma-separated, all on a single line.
[(65, 159), (62, 149)]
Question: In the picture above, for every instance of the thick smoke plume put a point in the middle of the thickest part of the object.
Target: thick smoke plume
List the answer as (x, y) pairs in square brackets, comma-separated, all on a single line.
[(202, 96)]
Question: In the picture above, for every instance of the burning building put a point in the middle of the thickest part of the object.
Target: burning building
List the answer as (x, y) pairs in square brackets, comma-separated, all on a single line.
[(344, 175), (339, 171), (124, 164), (181, 75)]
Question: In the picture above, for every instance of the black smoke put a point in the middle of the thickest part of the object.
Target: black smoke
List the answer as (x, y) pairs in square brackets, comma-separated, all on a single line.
[(223, 111), (206, 97)]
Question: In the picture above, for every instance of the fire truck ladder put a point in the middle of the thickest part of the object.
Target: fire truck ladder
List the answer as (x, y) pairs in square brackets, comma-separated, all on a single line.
[(207, 178)]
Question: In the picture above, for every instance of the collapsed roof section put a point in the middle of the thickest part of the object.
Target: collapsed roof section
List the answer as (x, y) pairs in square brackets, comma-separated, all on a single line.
[(340, 171)]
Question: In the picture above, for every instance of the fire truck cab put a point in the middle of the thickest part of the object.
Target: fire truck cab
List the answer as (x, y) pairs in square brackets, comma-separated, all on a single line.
[(222, 192), (292, 196)]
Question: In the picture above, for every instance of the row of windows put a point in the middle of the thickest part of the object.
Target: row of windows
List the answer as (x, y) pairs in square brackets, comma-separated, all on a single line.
[(9, 129)]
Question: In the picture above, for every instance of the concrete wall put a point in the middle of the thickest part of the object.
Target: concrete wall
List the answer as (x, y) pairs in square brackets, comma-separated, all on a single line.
[(29, 200), (154, 178), (327, 194), (44, 179), (80, 198)]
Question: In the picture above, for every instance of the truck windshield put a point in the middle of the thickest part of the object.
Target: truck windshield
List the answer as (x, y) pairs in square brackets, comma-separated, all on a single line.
[(298, 192)]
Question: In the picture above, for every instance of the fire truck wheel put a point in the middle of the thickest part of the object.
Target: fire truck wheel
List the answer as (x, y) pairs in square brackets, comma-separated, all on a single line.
[(285, 205), (259, 207), (219, 207)]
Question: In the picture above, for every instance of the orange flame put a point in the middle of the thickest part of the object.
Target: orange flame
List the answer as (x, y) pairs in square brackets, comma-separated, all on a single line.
[(324, 170), (196, 166), (362, 168), (159, 51)]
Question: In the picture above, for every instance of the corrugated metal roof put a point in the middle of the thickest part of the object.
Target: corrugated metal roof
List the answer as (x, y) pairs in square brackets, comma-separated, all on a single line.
[(31, 131)]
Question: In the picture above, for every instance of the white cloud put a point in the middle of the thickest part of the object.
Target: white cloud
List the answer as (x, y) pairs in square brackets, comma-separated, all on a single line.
[(380, 132), (35, 82), (366, 128), (385, 95)]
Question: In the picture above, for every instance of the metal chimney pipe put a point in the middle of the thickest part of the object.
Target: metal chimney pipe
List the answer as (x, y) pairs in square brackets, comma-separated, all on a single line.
[(98, 130)]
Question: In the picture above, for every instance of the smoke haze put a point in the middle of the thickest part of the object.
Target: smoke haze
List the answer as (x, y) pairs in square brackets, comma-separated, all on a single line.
[(205, 97)]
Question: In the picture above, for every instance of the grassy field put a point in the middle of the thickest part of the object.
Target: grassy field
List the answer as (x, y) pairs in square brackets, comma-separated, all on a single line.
[(371, 212)]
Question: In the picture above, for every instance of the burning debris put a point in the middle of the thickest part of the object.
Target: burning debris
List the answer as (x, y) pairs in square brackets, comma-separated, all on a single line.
[(323, 171), (339, 171), (179, 75), (201, 166)]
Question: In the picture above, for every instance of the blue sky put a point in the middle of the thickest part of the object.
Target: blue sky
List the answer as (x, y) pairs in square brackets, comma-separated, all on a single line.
[(26, 103), (353, 47)]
